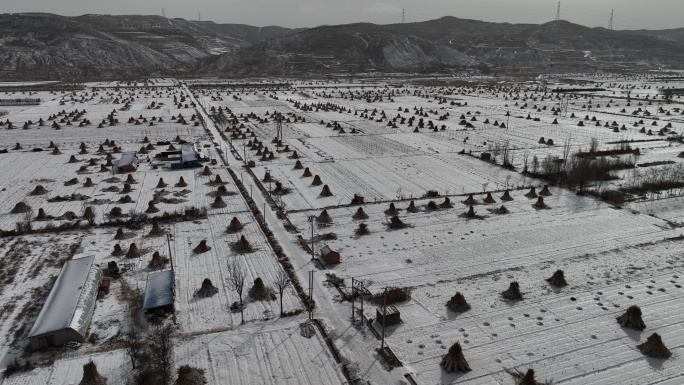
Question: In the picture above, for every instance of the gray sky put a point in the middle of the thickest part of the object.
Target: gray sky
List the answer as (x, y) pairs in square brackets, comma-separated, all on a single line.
[(629, 14)]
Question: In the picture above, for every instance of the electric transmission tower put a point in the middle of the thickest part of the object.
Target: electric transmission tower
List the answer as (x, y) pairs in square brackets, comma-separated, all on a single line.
[(163, 12), (199, 16), (558, 12), (403, 15), (610, 23)]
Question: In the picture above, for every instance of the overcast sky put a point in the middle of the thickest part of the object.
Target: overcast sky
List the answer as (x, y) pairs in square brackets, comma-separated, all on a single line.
[(629, 14)]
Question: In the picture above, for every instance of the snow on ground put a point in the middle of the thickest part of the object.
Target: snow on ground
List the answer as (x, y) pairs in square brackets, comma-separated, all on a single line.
[(267, 354), (612, 257)]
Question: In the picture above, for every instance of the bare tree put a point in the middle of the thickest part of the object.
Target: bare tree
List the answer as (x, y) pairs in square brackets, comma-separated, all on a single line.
[(593, 145), (282, 281), (134, 346), (160, 349), (236, 281), (526, 158)]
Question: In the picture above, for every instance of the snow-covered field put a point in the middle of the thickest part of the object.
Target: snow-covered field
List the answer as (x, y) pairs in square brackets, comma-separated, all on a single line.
[(613, 256)]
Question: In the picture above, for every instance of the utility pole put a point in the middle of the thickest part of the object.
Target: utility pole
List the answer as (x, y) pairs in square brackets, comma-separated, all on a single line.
[(311, 275), (312, 219), (384, 316), (610, 23), (558, 12)]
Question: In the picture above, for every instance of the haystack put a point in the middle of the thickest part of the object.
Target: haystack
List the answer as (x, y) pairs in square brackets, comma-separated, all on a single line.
[(151, 208), (181, 182), (126, 189), (360, 214), (316, 181), (91, 375), (56, 151), (307, 173), (557, 279), (412, 207), (41, 214), (545, 191), (324, 217), (513, 292), (218, 203), (632, 318), (507, 196), (207, 290), (325, 192), (21, 207), (189, 375), (73, 159), (71, 182), (130, 179), (396, 223), (126, 199), (242, 245), (115, 212), (206, 171), (18, 147), (202, 247), (540, 203), (446, 204), (234, 225), (458, 303), (454, 361), (654, 347), (133, 251), (470, 201), (298, 165), (157, 230), (470, 213), (104, 168), (39, 190), (432, 205), (161, 183), (120, 234), (51, 145), (527, 378), (218, 180), (157, 261), (532, 193), (502, 210), (362, 229), (392, 210), (118, 251), (89, 213), (88, 183), (260, 292)]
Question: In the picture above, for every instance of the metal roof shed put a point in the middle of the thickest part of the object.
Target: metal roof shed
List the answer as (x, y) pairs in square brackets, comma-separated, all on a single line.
[(69, 308), (159, 290)]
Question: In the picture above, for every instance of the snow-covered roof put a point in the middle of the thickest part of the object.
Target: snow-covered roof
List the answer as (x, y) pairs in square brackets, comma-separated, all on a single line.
[(188, 153), (72, 299), (325, 250), (159, 290), (127, 158)]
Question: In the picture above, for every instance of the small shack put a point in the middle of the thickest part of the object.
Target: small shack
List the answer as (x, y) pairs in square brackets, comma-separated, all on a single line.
[(391, 317), (159, 291), (68, 310), (329, 256), (127, 163), (189, 158)]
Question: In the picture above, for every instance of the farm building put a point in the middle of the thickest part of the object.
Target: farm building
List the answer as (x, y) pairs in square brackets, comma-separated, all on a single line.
[(391, 315), (329, 256), (127, 163), (189, 158), (66, 314), (159, 291)]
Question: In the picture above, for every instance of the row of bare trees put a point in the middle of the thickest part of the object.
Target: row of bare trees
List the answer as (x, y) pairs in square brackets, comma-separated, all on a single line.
[(237, 279)]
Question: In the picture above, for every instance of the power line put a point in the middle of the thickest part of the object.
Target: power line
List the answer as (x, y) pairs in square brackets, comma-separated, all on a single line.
[(558, 12)]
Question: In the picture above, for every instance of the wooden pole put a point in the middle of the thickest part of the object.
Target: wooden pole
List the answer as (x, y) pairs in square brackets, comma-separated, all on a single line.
[(384, 316)]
